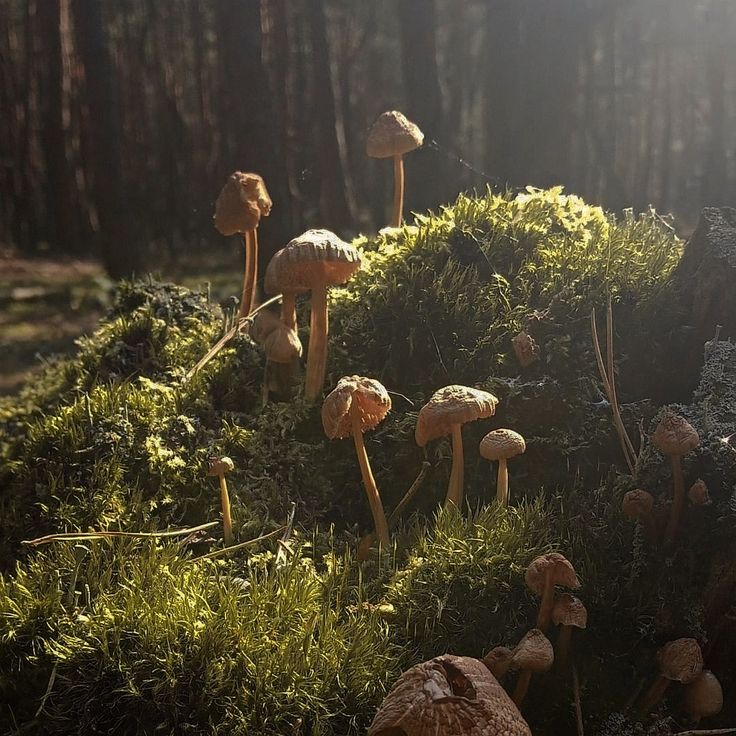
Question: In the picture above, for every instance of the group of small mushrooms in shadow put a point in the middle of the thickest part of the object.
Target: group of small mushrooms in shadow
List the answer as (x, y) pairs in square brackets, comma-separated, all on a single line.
[(448, 695)]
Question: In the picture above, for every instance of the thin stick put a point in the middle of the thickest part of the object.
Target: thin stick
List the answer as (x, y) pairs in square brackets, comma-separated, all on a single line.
[(236, 547), (578, 707), (81, 536), (283, 542), (50, 685), (612, 377)]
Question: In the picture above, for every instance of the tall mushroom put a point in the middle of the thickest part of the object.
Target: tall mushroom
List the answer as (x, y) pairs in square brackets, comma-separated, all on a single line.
[(703, 697), (568, 613), (675, 436), (532, 655), (542, 575), (354, 406), (501, 444), (312, 261), (678, 661), (238, 209), (445, 413), (391, 136), (220, 466)]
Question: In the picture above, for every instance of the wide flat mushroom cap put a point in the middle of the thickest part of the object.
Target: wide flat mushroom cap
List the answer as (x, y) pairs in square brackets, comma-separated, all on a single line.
[(314, 258), (674, 435), (448, 695), (563, 573), (452, 405), (220, 466), (704, 695), (241, 203), (637, 502), (393, 134), (569, 611), (282, 345), (369, 398), (534, 652), (502, 443), (680, 660)]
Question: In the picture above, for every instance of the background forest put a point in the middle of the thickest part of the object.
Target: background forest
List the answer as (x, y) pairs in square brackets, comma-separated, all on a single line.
[(120, 120)]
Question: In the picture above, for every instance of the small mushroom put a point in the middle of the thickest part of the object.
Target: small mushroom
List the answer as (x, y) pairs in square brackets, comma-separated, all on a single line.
[(391, 136), (638, 505), (678, 661), (354, 406), (498, 661), (703, 697), (238, 209), (282, 349), (675, 436), (501, 444), (220, 466), (698, 494), (533, 654), (569, 613), (526, 349), (445, 413), (542, 575)]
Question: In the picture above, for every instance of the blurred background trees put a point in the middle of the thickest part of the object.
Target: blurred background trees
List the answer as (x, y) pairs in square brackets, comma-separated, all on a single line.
[(119, 121)]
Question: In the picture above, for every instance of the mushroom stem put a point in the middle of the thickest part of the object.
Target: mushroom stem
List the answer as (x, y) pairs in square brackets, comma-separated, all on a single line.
[(563, 646), (522, 685), (317, 356), (678, 503), (248, 297), (369, 482), (398, 191), (548, 601), (455, 487), (288, 309), (227, 522), (502, 484), (654, 694)]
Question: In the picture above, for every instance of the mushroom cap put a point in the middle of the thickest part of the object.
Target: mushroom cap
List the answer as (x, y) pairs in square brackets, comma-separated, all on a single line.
[(282, 345), (637, 502), (680, 660), (448, 695), (563, 573), (220, 465), (534, 652), (698, 493), (526, 349), (502, 443), (569, 611), (263, 324), (314, 258), (704, 696), (452, 405), (674, 435), (393, 134), (241, 203), (498, 660), (366, 395)]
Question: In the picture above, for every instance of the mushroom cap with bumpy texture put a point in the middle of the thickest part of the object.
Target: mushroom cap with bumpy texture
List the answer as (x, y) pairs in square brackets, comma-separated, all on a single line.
[(704, 696), (365, 395), (502, 443), (680, 660), (220, 466), (569, 611), (534, 652), (241, 203), (563, 573), (392, 134), (698, 493), (282, 345), (674, 435), (498, 660), (637, 502), (449, 406), (314, 258), (451, 696)]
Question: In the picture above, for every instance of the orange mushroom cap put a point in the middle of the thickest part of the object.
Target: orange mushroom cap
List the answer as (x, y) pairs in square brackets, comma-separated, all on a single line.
[(562, 571), (569, 611), (680, 660), (704, 696), (366, 395), (674, 435), (698, 493), (534, 652), (220, 466), (392, 134), (637, 502), (502, 444), (241, 203)]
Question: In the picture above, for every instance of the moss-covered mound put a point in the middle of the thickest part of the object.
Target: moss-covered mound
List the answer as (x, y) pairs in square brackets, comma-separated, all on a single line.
[(140, 636)]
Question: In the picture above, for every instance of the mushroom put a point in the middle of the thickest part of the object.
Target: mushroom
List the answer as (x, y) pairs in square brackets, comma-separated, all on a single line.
[(354, 406), (678, 661), (568, 612), (675, 437), (542, 575), (219, 466), (638, 504), (445, 413), (498, 661), (703, 697), (391, 136), (451, 696), (238, 209), (526, 349), (501, 444), (312, 261), (281, 347), (532, 655), (698, 493)]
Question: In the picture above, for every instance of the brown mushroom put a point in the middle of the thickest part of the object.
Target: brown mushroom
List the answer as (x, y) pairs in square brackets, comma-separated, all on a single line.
[(313, 261), (391, 136), (354, 406), (526, 349), (220, 466), (703, 697), (678, 661), (542, 575), (445, 413), (675, 436), (532, 655), (239, 208), (501, 444), (451, 696), (698, 494), (498, 661), (568, 613), (638, 504)]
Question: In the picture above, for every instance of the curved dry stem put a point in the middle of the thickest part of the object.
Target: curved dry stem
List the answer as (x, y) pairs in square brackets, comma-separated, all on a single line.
[(522, 685), (544, 618), (227, 521), (502, 483), (398, 206), (678, 502), (455, 487), (369, 482), (248, 297), (317, 355)]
